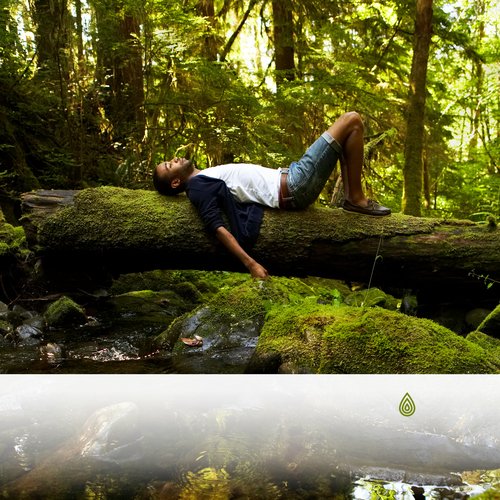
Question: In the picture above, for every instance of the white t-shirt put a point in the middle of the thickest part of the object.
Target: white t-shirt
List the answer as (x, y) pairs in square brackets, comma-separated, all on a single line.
[(248, 182)]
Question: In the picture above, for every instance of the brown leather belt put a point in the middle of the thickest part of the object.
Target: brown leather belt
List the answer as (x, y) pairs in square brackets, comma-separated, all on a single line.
[(285, 199)]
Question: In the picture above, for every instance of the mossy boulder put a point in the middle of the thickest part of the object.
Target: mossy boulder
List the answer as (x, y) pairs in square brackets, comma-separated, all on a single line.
[(148, 306), (250, 299), (491, 324), (191, 285), (327, 339), (230, 322), (158, 297), (64, 312)]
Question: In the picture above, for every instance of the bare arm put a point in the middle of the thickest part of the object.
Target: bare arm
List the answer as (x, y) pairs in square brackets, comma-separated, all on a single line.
[(232, 245)]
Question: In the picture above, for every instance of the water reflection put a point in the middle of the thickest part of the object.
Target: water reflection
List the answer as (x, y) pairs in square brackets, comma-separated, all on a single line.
[(245, 437)]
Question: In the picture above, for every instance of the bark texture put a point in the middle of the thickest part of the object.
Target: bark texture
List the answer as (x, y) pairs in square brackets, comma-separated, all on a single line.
[(413, 167), (284, 50), (123, 230)]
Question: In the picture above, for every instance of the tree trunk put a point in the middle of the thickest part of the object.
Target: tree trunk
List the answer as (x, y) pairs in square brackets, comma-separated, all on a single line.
[(52, 38), (283, 40), (206, 9), (122, 230), (413, 169), (477, 82), (79, 38), (119, 69)]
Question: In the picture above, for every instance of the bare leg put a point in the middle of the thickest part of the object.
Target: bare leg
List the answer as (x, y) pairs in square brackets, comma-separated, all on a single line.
[(348, 132)]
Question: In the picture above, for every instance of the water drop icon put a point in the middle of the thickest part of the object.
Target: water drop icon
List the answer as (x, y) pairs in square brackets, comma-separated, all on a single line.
[(407, 406)]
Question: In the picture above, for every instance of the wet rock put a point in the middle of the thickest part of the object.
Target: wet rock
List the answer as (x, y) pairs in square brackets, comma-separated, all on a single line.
[(23, 313), (230, 323), (491, 324), (35, 322), (28, 335), (18, 314), (64, 312), (229, 337), (325, 339)]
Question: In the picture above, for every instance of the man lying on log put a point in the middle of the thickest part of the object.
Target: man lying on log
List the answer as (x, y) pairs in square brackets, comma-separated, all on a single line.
[(241, 190)]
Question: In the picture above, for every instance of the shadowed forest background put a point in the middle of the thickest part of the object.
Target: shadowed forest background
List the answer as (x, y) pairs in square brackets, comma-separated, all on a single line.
[(96, 92)]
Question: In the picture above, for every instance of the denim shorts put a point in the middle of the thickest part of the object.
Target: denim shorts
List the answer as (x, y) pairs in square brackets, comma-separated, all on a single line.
[(308, 176)]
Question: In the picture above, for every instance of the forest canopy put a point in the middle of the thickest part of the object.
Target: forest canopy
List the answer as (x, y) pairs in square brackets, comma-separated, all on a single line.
[(96, 92)]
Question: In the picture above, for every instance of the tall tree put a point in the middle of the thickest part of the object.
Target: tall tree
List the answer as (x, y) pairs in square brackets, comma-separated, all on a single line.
[(477, 79), (413, 167), (206, 9), (284, 50), (52, 42), (119, 67)]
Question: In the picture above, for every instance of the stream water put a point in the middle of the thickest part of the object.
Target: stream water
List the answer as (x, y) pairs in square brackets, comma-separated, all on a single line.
[(112, 341), (156, 433), (299, 437)]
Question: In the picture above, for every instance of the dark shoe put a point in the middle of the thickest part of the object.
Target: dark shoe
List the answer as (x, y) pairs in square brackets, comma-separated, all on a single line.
[(373, 208)]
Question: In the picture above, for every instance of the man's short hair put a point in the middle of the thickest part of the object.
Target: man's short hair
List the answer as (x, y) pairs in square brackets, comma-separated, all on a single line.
[(163, 186)]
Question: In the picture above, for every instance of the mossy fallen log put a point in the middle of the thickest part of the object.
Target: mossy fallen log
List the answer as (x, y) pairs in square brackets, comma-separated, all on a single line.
[(129, 230)]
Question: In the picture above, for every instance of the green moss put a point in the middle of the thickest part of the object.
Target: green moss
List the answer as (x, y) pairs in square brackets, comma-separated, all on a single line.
[(142, 294), (484, 340), (326, 339), (90, 224), (230, 307), (249, 302), (12, 241), (193, 286), (492, 494), (490, 344), (4, 249), (148, 306), (64, 312)]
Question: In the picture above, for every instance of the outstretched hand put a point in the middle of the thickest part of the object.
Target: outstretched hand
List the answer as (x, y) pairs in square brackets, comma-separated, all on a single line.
[(229, 241), (257, 271)]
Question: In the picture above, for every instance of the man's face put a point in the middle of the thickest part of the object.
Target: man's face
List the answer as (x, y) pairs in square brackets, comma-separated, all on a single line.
[(177, 168)]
